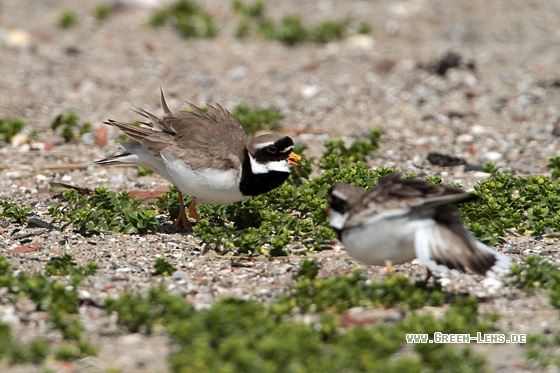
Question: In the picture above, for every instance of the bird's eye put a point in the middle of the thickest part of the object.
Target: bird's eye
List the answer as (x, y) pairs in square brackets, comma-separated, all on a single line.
[(272, 149)]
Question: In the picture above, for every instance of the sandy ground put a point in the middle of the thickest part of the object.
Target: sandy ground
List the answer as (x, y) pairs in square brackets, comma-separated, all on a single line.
[(500, 106)]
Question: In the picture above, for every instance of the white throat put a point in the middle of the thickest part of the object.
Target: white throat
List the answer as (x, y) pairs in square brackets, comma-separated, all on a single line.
[(338, 220), (263, 168)]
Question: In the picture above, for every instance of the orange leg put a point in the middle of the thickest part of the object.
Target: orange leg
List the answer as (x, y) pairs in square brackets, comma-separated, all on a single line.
[(192, 211), (389, 266), (182, 220), (428, 276)]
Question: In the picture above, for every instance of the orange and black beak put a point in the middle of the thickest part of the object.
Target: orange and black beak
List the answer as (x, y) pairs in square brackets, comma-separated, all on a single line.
[(293, 158)]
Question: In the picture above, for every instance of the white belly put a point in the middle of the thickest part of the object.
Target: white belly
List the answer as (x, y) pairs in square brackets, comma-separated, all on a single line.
[(206, 185), (380, 240), (210, 186)]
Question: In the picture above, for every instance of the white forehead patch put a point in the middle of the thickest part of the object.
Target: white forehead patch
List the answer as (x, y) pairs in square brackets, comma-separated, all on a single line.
[(263, 168), (264, 145), (339, 195)]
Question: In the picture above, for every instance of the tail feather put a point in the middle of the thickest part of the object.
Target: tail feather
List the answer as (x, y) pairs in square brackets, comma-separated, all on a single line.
[(136, 132), (134, 153), (442, 250), (156, 123), (502, 263), (124, 158)]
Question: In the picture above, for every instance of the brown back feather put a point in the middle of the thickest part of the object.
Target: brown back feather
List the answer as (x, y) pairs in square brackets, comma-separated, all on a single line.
[(195, 136)]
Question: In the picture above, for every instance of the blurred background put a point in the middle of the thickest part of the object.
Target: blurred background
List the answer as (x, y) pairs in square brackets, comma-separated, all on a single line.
[(477, 79)]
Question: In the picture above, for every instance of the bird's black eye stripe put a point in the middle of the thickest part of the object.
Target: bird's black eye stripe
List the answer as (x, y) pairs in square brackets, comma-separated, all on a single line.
[(285, 144), (271, 149), (337, 204)]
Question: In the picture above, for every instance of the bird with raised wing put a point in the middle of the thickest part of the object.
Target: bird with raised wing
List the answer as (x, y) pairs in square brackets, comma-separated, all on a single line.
[(206, 155), (401, 219)]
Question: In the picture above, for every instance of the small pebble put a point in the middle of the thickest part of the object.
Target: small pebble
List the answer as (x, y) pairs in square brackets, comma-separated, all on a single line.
[(37, 223), (238, 72), (493, 156), (309, 91), (83, 294), (8, 315), (180, 275)]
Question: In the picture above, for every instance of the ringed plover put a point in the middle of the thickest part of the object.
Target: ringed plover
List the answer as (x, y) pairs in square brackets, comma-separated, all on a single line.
[(206, 155), (402, 219)]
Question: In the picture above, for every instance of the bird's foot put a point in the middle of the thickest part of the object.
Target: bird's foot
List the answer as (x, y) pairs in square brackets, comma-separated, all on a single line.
[(389, 266), (192, 211), (183, 221)]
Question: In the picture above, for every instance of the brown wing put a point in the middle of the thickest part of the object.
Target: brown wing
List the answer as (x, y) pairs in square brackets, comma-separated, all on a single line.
[(201, 139), (393, 193), (440, 247)]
